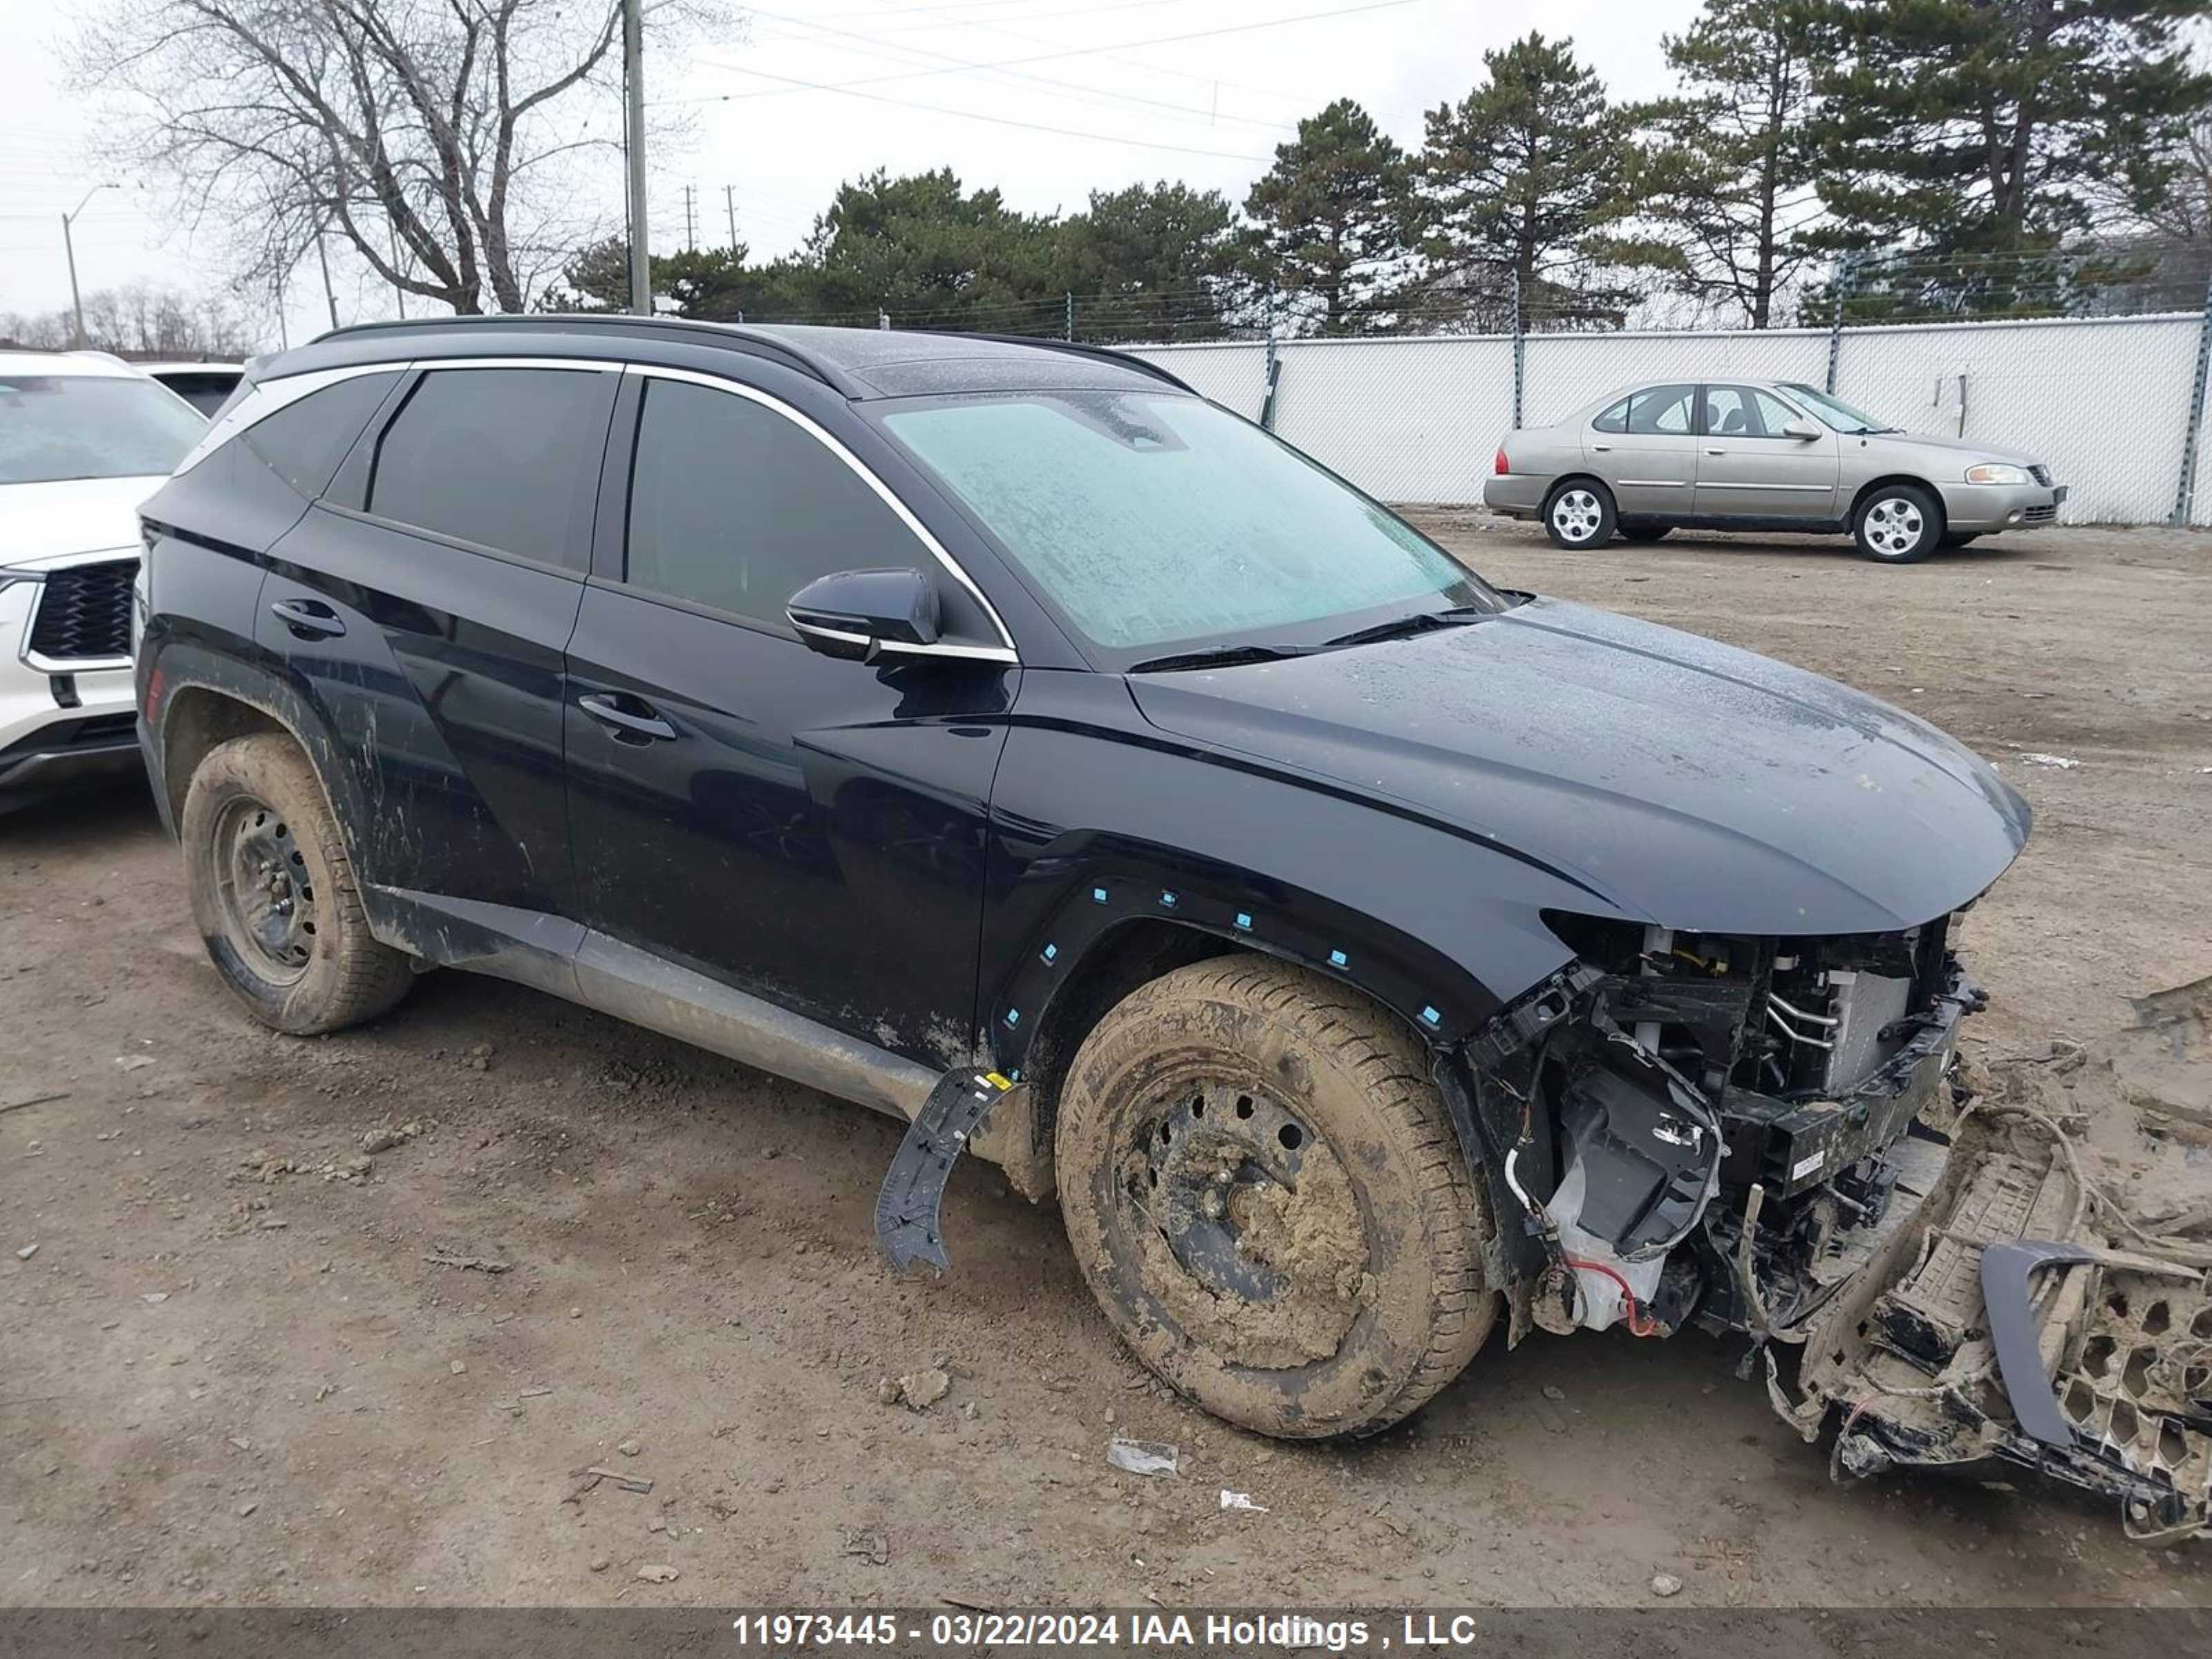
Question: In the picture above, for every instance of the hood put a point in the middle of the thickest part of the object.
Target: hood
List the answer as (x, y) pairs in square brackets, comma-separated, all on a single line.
[(1679, 780), (1963, 447), (43, 521)]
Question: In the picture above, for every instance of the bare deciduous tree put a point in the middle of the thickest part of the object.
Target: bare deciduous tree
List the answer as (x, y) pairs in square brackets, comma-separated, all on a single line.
[(142, 322), (439, 138)]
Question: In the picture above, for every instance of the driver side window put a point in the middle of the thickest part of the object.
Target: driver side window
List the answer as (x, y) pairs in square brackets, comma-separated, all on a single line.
[(733, 506)]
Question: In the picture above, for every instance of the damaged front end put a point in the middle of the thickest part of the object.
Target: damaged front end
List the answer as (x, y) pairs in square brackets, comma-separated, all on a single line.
[(1762, 1135)]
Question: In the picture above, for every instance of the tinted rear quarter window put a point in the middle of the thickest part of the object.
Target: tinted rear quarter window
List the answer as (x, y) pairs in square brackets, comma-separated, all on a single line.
[(1614, 419), (504, 458), (734, 506), (304, 441)]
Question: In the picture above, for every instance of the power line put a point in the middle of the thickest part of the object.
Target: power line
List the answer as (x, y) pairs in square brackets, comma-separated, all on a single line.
[(1274, 94), (1052, 56), (969, 115), (960, 65)]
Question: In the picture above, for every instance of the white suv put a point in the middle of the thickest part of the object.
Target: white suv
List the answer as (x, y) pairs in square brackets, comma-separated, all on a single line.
[(83, 440)]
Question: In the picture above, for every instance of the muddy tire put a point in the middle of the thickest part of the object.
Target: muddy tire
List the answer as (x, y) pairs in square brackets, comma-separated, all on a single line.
[(274, 895), (1265, 1193)]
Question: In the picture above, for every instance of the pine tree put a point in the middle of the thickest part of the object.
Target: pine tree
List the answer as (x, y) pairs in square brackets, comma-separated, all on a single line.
[(1726, 183), (1515, 180), (1974, 129), (1330, 217), (1149, 261)]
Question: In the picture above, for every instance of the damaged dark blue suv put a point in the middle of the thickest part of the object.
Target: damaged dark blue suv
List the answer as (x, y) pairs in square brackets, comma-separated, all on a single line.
[(1001, 736)]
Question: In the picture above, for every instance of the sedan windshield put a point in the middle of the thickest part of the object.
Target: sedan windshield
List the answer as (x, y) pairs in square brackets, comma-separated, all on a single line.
[(1148, 520), (54, 427), (1834, 411)]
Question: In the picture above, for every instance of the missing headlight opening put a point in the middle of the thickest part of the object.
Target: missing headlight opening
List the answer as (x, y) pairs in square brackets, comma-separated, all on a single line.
[(1772, 1137)]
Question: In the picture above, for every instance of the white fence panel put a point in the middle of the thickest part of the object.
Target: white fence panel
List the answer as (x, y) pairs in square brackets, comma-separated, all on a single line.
[(2103, 401), (1563, 371), (1425, 414), (1233, 373)]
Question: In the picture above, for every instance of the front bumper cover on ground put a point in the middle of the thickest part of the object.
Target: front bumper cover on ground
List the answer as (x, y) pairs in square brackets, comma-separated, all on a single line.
[(1997, 1326)]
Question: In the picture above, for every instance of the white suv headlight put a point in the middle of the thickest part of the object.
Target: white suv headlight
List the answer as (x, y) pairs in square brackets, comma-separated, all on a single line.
[(1998, 472)]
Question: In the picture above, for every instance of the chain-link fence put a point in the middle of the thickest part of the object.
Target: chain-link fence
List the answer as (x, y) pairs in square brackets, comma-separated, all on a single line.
[(2095, 361), (2109, 403)]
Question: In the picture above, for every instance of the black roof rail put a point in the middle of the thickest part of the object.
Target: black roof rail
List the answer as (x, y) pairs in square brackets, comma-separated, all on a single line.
[(1107, 354), (731, 335)]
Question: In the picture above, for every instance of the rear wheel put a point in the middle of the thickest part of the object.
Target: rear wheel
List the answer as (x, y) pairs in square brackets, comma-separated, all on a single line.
[(1579, 514), (1264, 1192), (274, 895), (1898, 524)]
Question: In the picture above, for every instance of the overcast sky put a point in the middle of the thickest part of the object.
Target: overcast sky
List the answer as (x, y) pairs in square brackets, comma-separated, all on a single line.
[(1136, 103)]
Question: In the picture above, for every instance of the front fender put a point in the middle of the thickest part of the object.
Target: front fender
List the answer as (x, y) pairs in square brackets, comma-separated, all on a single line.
[(1099, 819)]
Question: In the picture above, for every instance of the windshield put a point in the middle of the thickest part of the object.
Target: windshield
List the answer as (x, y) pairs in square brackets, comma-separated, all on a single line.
[(1148, 520), (90, 425), (1834, 411)]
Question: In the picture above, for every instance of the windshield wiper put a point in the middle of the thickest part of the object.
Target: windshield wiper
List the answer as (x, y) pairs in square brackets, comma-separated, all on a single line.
[(1216, 656), (1419, 622)]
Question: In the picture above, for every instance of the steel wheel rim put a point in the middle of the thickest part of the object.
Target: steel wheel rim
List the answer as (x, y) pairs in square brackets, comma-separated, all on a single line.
[(1223, 1174), (263, 890), (1576, 515), (1894, 526)]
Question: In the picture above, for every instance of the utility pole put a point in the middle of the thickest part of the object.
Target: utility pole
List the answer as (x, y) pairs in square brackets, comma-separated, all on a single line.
[(641, 258), (691, 224), (68, 247), (730, 201), (329, 294)]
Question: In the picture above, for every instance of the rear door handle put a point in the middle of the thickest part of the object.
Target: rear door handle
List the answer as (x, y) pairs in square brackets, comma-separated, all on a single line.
[(308, 619), (1716, 452), (627, 726), (1601, 446)]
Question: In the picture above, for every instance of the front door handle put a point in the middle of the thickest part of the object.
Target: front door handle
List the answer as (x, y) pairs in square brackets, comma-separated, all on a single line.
[(1602, 448), (627, 727), (308, 619), (1716, 450)]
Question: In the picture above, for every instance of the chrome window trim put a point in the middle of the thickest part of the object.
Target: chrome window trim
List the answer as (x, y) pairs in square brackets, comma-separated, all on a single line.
[(902, 647), (266, 398), (1004, 651)]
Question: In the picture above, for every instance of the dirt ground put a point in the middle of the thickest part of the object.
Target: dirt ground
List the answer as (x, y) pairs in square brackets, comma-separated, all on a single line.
[(235, 1371)]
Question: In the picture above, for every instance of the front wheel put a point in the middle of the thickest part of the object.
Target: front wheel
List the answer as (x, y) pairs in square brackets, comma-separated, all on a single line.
[(1265, 1193), (1579, 514), (274, 893), (1898, 524)]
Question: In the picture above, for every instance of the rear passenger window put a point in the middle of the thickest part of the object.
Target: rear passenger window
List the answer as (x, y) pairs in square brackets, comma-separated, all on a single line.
[(304, 441), (1661, 409), (734, 506), (1614, 419), (506, 458)]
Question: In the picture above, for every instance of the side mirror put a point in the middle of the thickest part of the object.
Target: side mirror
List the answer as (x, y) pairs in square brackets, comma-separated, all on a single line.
[(863, 614), (1801, 429)]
